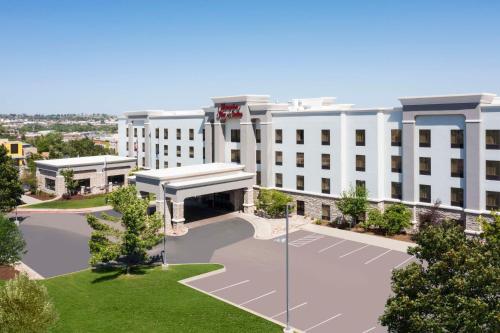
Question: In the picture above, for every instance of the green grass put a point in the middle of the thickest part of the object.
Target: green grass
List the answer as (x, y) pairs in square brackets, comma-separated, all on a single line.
[(150, 301), (94, 201)]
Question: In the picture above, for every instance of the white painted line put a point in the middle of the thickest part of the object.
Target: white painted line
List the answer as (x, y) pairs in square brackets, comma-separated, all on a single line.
[(295, 307), (324, 321), (353, 251), (373, 259), (256, 298), (401, 264), (226, 287), (369, 330), (329, 247)]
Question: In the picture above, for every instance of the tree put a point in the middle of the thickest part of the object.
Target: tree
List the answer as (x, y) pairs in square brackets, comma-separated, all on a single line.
[(130, 242), (432, 216), (10, 185), (12, 244), (25, 306), (69, 181), (353, 202), (395, 218), (453, 287), (273, 202)]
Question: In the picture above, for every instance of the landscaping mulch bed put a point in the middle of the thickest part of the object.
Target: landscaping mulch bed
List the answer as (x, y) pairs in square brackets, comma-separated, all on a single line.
[(7, 272), (41, 196), (401, 237)]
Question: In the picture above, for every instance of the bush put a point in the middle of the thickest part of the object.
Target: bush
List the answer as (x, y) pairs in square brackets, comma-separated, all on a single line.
[(395, 218), (12, 243), (25, 307), (273, 202)]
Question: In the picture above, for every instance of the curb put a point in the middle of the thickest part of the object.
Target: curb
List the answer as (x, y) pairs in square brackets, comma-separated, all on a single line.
[(64, 211), (32, 274)]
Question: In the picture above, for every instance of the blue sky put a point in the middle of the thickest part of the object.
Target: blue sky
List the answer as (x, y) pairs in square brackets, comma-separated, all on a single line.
[(113, 56)]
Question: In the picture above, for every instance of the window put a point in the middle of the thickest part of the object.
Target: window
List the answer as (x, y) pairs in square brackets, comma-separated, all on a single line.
[(396, 164), (300, 160), (165, 150), (178, 132), (191, 134), (258, 177), (157, 164), (143, 161), (257, 156), (127, 145), (325, 185), (165, 164), (191, 152), (300, 137), (493, 170), (235, 135), (278, 180), (492, 139), (135, 132), (457, 167), (325, 212), (325, 161), (360, 137), (235, 156), (278, 158), (278, 136), (396, 137), (143, 133), (360, 183), (425, 165), (178, 151), (143, 147), (424, 138), (457, 197), (165, 133), (50, 184), (457, 138), (301, 209), (396, 190), (14, 148), (257, 135), (179, 164), (360, 163), (203, 134), (300, 183), (492, 200), (157, 133), (157, 149), (325, 137), (425, 193), (126, 132)]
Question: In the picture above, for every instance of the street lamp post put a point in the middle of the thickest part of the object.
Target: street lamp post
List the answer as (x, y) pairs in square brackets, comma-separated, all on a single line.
[(287, 329), (164, 264)]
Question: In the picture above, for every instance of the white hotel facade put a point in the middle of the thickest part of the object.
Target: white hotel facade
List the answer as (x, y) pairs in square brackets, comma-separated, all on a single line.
[(444, 148)]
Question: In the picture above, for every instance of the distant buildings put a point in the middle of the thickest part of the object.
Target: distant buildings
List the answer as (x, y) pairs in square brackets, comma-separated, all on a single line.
[(18, 151)]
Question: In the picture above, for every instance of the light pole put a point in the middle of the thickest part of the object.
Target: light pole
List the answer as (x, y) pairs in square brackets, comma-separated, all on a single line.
[(164, 264), (287, 329)]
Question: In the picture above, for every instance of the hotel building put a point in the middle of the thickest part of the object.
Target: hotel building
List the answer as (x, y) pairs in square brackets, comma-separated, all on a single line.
[(429, 149)]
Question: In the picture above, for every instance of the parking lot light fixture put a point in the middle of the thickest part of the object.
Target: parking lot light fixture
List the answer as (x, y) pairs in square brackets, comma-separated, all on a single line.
[(287, 329), (164, 264)]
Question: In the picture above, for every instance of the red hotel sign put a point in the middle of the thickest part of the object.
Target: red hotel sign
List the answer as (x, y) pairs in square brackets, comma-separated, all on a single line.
[(228, 111)]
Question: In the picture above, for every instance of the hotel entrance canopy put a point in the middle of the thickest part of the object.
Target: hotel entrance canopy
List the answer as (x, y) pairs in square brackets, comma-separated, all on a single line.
[(177, 184)]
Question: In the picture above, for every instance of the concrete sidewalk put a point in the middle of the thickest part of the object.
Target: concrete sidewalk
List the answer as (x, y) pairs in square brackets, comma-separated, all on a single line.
[(271, 228)]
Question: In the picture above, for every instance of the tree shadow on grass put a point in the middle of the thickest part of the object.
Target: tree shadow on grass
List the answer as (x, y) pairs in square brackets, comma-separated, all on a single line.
[(112, 271)]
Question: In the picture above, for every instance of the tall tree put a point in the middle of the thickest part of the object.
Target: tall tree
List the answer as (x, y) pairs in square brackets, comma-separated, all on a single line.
[(10, 185), (353, 202), (453, 287), (12, 244), (128, 243)]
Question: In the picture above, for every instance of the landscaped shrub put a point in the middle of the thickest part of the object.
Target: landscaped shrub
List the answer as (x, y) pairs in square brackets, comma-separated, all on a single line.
[(12, 244), (273, 202), (395, 218)]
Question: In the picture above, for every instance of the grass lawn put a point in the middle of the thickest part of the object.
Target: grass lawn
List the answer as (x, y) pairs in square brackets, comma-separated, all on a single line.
[(94, 201), (150, 301)]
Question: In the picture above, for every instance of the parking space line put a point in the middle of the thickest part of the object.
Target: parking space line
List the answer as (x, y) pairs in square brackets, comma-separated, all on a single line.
[(354, 251), (369, 330), (305, 240), (404, 262), (259, 297), (380, 255), (293, 308), (324, 321), (329, 247), (226, 287)]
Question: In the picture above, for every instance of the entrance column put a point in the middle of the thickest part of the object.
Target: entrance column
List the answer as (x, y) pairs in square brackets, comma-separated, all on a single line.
[(164, 211), (248, 205), (178, 214)]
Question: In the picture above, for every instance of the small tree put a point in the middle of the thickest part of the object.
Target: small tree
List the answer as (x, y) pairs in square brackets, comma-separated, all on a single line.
[(453, 287), (10, 185), (12, 244), (273, 202), (353, 202), (432, 216), (25, 306), (130, 242), (69, 181)]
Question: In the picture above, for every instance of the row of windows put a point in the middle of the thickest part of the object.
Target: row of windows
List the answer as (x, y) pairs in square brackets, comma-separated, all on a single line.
[(165, 150), (165, 164), (165, 133)]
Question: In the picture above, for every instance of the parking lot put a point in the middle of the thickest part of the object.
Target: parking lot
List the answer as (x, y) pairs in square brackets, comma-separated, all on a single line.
[(336, 285)]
